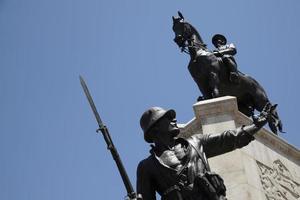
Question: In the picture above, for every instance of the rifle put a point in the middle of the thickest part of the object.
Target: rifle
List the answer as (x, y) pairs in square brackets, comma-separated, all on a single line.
[(131, 195)]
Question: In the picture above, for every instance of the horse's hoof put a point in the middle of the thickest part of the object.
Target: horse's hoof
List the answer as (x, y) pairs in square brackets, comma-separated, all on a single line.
[(200, 98), (280, 127), (275, 125)]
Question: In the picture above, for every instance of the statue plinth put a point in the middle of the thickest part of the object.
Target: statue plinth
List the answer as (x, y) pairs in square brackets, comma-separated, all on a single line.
[(268, 168)]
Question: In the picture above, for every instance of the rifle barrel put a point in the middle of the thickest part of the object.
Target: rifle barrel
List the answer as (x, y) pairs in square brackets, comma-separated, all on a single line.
[(110, 146)]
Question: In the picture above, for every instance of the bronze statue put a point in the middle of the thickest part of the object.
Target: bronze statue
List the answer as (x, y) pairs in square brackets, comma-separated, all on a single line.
[(226, 53), (177, 168), (215, 72)]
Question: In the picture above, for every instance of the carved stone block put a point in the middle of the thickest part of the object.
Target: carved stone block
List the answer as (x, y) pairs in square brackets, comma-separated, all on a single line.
[(267, 169)]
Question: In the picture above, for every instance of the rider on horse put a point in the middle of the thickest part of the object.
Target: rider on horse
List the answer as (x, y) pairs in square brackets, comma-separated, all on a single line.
[(226, 53), (215, 72)]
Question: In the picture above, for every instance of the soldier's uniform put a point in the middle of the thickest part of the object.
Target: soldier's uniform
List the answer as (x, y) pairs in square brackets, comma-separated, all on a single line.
[(192, 180)]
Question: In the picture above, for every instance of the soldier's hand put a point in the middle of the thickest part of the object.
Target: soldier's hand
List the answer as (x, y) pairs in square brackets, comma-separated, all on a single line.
[(261, 119)]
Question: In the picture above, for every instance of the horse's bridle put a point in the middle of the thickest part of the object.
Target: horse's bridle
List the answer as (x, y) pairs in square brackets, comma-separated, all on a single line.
[(187, 41)]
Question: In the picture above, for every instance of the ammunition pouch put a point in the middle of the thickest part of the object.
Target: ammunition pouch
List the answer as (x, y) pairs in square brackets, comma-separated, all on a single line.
[(210, 184), (172, 193)]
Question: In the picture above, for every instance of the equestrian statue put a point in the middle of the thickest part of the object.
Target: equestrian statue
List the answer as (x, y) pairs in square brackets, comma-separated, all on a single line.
[(216, 74)]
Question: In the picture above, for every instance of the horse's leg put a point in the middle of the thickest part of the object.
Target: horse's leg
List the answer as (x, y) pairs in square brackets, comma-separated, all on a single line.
[(204, 89), (279, 123), (275, 121), (214, 84), (260, 102)]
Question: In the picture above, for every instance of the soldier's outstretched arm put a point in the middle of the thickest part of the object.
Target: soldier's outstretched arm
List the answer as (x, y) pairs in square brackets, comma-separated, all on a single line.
[(217, 144)]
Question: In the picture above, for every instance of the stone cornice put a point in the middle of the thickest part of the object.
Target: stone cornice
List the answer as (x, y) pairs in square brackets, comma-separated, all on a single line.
[(221, 114)]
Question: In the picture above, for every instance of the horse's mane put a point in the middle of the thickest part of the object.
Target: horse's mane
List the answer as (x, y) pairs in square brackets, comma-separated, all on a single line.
[(194, 30)]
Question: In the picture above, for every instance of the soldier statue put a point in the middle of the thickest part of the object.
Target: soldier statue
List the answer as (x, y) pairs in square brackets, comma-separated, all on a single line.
[(177, 167)]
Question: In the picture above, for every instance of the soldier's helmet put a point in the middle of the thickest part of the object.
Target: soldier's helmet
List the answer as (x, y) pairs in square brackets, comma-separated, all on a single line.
[(150, 117), (219, 39)]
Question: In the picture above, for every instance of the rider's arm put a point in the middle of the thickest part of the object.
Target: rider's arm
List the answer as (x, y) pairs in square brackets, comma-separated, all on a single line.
[(226, 50), (230, 49)]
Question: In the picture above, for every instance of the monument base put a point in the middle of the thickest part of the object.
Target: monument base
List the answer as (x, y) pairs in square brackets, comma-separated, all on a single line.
[(267, 169)]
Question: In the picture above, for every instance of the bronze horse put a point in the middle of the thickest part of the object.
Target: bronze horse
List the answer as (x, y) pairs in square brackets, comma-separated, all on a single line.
[(211, 75)]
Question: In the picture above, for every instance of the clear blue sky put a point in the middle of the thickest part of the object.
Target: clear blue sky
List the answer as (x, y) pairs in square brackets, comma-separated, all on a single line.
[(48, 146)]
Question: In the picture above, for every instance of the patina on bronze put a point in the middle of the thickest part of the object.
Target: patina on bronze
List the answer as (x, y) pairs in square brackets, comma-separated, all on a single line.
[(177, 168), (215, 72)]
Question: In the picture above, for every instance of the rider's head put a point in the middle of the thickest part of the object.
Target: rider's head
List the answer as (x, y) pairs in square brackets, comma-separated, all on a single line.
[(219, 40)]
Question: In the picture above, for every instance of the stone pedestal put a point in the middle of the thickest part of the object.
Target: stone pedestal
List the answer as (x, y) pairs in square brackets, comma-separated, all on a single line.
[(267, 169)]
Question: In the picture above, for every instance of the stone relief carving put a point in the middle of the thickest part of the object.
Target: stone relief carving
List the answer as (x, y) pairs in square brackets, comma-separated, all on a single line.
[(277, 182)]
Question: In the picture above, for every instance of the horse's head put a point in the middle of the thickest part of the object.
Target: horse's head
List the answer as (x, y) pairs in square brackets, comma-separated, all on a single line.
[(185, 34)]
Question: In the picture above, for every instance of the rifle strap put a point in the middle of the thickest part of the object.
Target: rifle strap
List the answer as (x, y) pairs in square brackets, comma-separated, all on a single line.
[(201, 155)]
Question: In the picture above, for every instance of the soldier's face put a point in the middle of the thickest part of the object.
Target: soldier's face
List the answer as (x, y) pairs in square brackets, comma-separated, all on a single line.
[(168, 126)]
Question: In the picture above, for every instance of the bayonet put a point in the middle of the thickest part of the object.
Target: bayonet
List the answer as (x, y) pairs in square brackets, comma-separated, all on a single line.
[(110, 146)]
